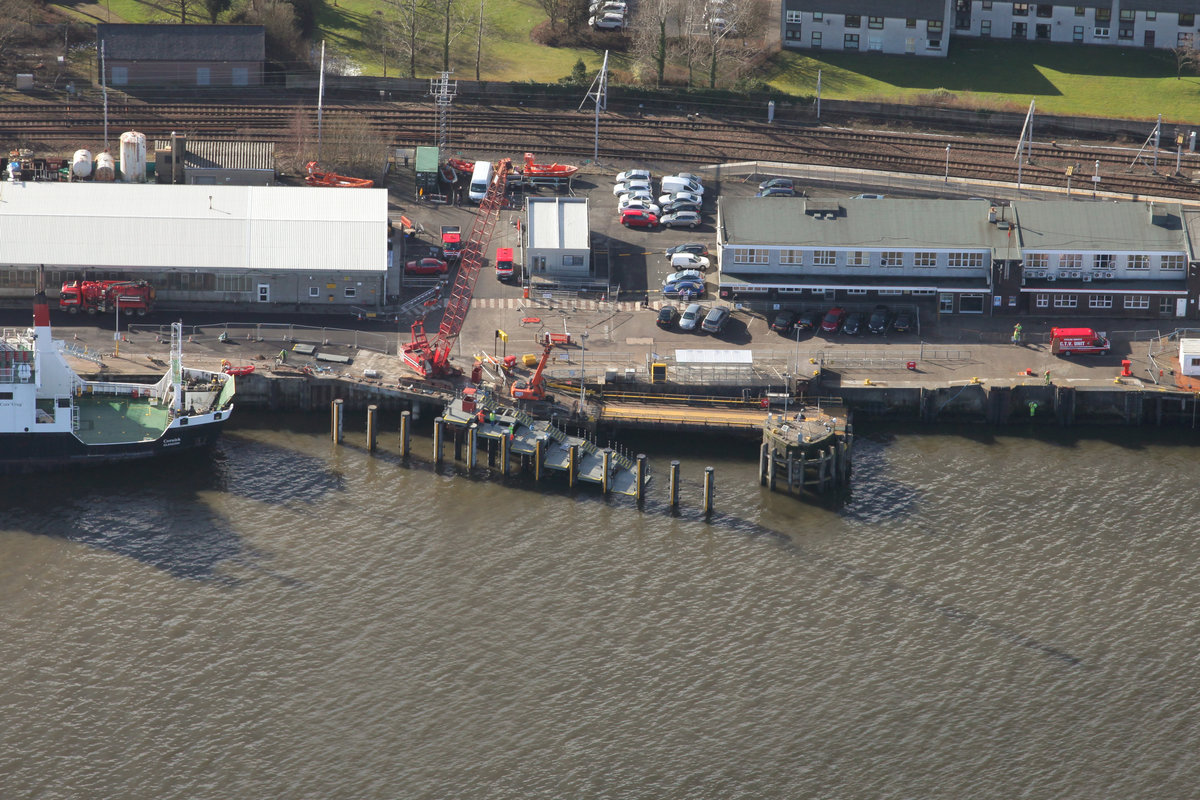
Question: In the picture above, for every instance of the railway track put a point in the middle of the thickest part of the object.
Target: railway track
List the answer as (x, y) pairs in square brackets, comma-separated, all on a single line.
[(560, 134)]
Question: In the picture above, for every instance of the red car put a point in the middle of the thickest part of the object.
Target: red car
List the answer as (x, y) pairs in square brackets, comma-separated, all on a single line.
[(833, 320), (636, 218), (426, 266)]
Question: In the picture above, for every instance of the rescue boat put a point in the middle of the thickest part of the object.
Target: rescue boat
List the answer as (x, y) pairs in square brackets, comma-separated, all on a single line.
[(532, 170), (316, 177), (462, 166)]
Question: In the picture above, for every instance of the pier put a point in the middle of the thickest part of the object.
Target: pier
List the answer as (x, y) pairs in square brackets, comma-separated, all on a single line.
[(806, 450)]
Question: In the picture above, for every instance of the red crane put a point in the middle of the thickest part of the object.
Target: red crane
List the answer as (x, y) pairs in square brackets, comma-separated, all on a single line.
[(430, 359)]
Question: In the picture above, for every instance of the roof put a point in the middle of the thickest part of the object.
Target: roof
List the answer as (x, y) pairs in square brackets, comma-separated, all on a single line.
[(1161, 6), (182, 42), (148, 226), (225, 155), (919, 9), (870, 224), (1081, 226), (558, 223), (427, 159), (1191, 223)]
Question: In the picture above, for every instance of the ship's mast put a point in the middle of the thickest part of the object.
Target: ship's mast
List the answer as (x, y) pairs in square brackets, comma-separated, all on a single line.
[(177, 364)]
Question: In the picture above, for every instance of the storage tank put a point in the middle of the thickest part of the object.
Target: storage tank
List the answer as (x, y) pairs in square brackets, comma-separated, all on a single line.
[(133, 157), (105, 168), (81, 164)]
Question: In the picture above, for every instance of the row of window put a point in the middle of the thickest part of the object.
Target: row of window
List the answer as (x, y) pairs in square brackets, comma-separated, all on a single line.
[(856, 258), (1140, 302), (1103, 261), (173, 281), (1103, 16)]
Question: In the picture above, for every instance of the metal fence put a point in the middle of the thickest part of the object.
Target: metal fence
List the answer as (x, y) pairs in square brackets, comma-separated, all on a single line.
[(278, 333)]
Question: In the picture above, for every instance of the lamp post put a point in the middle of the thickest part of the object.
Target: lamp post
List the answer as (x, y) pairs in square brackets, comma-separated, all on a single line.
[(947, 179), (583, 375), (117, 334)]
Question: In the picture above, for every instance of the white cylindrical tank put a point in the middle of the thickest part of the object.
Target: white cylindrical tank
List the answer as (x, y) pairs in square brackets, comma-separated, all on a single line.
[(133, 157), (81, 164), (105, 167)]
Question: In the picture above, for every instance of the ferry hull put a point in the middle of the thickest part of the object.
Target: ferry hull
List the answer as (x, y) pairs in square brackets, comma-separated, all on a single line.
[(35, 452)]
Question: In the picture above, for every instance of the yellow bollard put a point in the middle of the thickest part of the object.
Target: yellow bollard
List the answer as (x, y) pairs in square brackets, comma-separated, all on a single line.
[(975, 381), (867, 382)]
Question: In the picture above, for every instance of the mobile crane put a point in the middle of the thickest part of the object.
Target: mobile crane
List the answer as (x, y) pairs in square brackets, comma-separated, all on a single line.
[(535, 387), (432, 359)]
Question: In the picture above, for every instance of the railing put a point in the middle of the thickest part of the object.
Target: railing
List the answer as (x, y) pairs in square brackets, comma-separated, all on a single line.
[(280, 332)]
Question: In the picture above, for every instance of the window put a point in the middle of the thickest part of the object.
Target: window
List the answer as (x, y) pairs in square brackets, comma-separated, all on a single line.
[(234, 283), (965, 260), (818, 16), (1126, 15), (1100, 33), (853, 21), (120, 76), (1070, 261), (1103, 261), (750, 255), (350, 291), (1079, 11), (985, 27), (1042, 32), (816, 39), (891, 258), (910, 22), (1019, 30), (1125, 32), (314, 291), (858, 258), (1137, 262), (1151, 16), (875, 44), (1137, 301), (791, 258), (1171, 263), (856, 291), (1066, 301), (850, 42), (889, 292), (824, 258), (986, 5), (1187, 20), (203, 76), (1100, 301), (1103, 16), (875, 22), (934, 44), (925, 259), (1077, 34), (1041, 300), (1045, 10), (1166, 305), (241, 76), (794, 16), (572, 261), (933, 26), (1184, 39), (1020, 9)]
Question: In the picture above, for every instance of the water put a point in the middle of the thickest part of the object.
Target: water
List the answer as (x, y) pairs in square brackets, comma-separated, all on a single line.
[(989, 616)]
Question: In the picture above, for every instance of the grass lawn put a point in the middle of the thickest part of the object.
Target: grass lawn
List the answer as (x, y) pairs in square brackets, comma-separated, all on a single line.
[(1064, 79)]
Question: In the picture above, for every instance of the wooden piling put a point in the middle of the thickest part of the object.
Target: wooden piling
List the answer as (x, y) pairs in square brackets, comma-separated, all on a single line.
[(606, 469), (439, 426), (572, 464), (539, 453), (640, 477)]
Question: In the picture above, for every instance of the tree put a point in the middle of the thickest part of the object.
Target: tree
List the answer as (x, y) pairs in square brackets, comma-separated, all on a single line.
[(1186, 58), (183, 6), (402, 25), (479, 39), (655, 18), (556, 11), (278, 18), (454, 23), (215, 7), (15, 18), (744, 21)]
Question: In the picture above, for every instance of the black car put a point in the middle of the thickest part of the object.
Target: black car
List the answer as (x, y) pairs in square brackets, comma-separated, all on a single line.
[(682, 205), (903, 323), (807, 321), (878, 322), (695, 248), (776, 191), (776, 183), (853, 324), (783, 322), (668, 316)]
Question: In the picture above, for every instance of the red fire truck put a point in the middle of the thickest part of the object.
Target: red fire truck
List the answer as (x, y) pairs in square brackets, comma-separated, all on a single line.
[(98, 297)]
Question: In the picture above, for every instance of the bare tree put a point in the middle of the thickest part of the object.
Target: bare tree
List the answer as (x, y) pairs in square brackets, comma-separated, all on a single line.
[(556, 11), (183, 6), (402, 26), (743, 21), (1187, 58), (15, 17), (656, 21), (479, 38), (454, 20)]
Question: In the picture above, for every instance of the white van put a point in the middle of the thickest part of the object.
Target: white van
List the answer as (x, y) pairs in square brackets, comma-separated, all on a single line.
[(481, 178), (673, 183)]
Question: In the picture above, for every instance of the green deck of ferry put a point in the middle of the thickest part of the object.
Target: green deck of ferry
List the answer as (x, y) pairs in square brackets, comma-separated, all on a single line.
[(110, 420)]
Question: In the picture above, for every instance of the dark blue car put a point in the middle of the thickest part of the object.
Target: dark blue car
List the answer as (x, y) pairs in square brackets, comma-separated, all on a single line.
[(685, 289)]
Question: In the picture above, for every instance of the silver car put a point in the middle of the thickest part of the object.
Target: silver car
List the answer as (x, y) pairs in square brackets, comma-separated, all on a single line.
[(680, 219), (691, 317)]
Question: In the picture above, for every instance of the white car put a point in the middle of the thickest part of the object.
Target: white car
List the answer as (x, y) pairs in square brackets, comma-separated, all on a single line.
[(681, 197), (674, 183), (689, 261), (604, 7), (609, 21), (687, 176), (867, 197), (684, 275), (638, 205), (631, 186), (629, 197), (633, 175)]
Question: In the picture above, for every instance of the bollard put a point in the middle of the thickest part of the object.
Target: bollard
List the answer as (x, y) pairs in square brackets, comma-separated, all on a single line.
[(472, 445), (336, 408), (405, 436), (505, 454), (606, 469), (640, 477), (572, 464), (372, 422), (539, 451), (709, 490), (438, 425), (673, 486)]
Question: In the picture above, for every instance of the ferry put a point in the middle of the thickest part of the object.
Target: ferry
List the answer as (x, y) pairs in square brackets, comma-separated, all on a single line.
[(50, 417)]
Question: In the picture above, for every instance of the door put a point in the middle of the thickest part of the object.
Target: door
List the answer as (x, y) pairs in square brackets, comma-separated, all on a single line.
[(1149, 40), (946, 304), (1181, 307), (264, 293)]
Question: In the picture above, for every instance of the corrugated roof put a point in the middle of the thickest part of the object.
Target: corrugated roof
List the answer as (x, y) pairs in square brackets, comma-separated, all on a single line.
[(1074, 226), (225, 155), (887, 223), (559, 223), (182, 42), (919, 9), (202, 227)]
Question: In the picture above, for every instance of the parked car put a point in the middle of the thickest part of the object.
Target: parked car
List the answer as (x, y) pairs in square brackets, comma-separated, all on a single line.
[(686, 289), (691, 317), (609, 21), (867, 197), (695, 248), (808, 320), (668, 317), (783, 322), (903, 322), (624, 187), (879, 319), (689, 261), (776, 183), (776, 191), (833, 320), (716, 319), (672, 208), (636, 194), (635, 218), (608, 6), (674, 183), (638, 205), (688, 176), (426, 266), (681, 219), (852, 325), (681, 197), (633, 175), (684, 275)]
